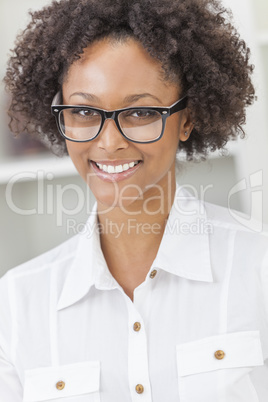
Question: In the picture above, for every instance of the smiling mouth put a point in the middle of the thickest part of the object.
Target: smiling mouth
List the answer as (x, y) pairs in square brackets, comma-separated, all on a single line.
[(111, 169)]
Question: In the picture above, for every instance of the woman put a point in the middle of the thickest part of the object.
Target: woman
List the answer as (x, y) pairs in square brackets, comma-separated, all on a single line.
[(144, 306)]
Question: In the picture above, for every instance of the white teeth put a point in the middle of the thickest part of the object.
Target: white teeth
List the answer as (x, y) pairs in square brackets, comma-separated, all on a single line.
[(110, 169), (118, 168)]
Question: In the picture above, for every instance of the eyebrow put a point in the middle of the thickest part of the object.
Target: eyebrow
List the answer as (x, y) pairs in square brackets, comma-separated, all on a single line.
[(128, 99)]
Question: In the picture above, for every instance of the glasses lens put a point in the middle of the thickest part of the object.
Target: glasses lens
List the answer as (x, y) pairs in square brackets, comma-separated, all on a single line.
[(141, 124), (80, 124)]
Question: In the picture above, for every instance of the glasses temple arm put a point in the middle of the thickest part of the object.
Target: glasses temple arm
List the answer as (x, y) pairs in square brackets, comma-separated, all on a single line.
[(56, 100), (180, 105)]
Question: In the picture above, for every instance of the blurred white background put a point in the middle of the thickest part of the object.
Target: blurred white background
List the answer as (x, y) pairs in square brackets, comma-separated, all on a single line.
[(29, 228)]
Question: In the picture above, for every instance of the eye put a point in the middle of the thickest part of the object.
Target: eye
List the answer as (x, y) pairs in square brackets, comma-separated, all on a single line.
[(141, 113), (84, 112)]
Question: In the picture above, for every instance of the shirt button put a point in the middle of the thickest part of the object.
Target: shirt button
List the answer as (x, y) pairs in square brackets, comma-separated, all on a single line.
[(139, 389), (137, 326), (219, 354), (60, 385), (153, 273)]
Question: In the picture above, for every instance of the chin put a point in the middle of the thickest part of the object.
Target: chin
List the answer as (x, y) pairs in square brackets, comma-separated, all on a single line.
[(116, 197)]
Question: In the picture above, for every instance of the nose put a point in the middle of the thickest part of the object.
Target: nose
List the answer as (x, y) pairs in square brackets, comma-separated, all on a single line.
[(110, 139)]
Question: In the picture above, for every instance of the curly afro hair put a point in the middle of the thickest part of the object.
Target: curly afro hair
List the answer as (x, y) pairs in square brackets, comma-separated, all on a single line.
[(193, 39)]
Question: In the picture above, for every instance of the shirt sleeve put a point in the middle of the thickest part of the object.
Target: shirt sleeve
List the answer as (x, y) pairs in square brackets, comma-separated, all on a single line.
[(10, 385)]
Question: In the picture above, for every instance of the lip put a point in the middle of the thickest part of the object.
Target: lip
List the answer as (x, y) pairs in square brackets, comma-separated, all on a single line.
[(114, 177)]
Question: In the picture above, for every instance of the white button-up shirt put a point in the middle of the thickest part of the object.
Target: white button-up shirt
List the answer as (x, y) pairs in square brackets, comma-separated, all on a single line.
[(196, 331)]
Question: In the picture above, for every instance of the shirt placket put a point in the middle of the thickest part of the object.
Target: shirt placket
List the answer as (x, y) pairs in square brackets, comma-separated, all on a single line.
[(138, 367)]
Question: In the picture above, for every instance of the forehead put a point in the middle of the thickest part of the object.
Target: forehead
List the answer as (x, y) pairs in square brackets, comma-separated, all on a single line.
[(118, 68)]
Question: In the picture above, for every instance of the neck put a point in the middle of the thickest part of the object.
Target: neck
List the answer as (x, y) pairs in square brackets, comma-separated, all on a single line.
[(130, 237)]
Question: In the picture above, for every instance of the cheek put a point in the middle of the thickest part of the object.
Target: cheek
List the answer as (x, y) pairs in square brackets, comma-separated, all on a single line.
[(78, 153), (172, 134), (77, 150), (168, 145)]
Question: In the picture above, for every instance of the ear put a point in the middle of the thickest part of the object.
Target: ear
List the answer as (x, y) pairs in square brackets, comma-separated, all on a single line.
[(186, 126)]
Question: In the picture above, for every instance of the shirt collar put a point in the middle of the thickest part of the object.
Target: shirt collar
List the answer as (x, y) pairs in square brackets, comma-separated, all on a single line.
[(184, 250)]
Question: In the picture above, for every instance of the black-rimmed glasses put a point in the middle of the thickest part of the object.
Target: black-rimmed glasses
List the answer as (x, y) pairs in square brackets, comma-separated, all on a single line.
[(137, 124)]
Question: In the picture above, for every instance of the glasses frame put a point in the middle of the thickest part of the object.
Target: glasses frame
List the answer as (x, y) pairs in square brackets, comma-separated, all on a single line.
[(165, 112)]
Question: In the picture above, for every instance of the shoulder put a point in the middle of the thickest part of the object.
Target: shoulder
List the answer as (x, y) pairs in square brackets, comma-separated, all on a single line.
[(41, 265), (232, 220), (240, 236), (215, 218), (29, 287), (247, 231)]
